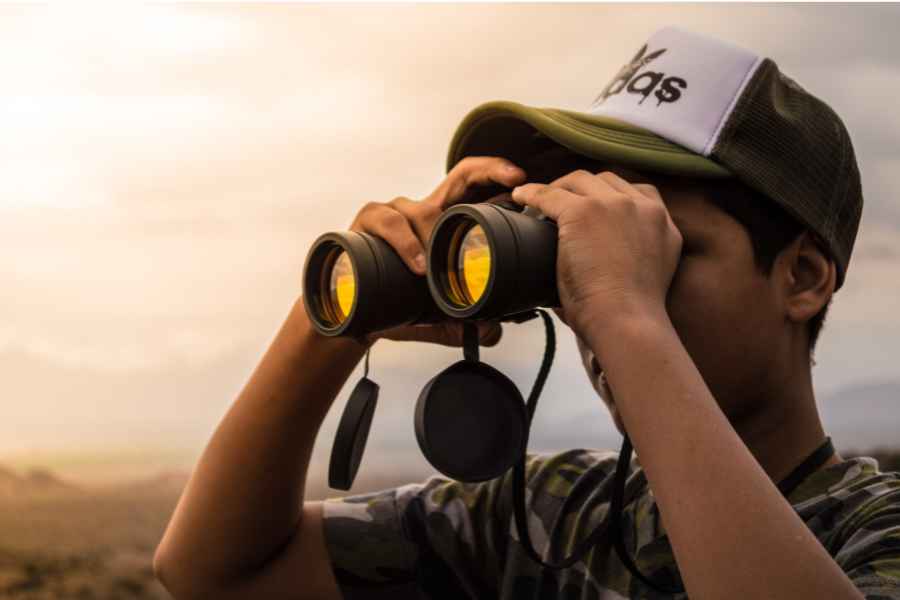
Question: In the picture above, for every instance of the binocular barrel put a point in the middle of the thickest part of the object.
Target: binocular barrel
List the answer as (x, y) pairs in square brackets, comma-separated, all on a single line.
[(485, 261), (355, 284)]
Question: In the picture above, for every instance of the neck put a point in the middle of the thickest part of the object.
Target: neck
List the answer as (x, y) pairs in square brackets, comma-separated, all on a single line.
[(786, 429)]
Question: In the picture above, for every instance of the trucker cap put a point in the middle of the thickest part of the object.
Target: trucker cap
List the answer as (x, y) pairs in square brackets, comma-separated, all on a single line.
[(692, 105)]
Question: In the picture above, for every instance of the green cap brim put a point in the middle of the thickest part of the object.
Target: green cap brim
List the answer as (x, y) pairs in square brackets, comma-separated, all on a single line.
[(506, 129)]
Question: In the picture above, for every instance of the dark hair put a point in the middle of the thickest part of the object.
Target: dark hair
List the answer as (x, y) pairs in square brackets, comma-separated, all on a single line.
[(771, 229)]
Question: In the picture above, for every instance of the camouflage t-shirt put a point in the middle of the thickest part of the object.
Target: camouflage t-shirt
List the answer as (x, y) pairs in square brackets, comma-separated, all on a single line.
[(444, 539)]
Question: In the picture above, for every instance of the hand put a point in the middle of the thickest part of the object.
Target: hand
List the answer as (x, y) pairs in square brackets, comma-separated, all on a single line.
[(406, 226), (618, 247)]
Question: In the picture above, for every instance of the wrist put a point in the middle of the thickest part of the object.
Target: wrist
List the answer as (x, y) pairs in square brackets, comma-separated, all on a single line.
[(623, 330)]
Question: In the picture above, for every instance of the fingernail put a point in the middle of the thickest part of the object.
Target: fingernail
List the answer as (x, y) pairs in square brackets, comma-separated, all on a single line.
[(515, 171), (420, 261)]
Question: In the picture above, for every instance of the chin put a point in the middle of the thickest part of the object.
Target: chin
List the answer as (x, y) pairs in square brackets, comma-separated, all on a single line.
[(602, 389), (618, 423), (598, 382)]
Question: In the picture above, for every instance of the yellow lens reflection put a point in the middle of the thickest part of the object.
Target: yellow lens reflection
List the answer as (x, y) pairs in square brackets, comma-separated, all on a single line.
[(342, 287), (474, 264)]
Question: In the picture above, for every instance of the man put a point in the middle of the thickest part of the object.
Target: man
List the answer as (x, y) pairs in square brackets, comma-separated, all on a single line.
[(707, 208)]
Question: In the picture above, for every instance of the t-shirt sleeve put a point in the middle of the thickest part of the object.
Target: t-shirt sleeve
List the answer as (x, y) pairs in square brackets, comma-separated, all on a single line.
[(871, 554), (447, 539), (438, 538)]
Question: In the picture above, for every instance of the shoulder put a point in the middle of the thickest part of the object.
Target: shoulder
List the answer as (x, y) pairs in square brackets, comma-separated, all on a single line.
[(859, 523), (558, 473), (854, 508), (854, 489)]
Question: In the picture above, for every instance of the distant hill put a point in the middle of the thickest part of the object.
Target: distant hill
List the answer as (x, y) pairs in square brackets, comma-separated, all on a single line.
[(64, 542), (34, 484), (164, 484), (864, 415), (9, 482)]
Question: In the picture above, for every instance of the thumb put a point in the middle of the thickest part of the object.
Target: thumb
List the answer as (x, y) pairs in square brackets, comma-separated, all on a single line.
[(450, 333), (489, 333)]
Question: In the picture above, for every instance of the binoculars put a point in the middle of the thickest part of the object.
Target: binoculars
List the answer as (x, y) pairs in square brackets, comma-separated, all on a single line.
[(487, 260)]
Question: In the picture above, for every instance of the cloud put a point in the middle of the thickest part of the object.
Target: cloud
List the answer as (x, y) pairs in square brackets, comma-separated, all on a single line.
[(71, 48), (881, 191)]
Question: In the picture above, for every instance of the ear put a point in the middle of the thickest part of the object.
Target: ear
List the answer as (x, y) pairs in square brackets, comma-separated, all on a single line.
[(808, 276)]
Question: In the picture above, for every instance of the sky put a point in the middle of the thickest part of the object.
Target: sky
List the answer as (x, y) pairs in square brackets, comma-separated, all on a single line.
[(164, 169)]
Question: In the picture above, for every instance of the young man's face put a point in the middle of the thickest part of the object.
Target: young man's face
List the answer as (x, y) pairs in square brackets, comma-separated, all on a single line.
[(722, 307)]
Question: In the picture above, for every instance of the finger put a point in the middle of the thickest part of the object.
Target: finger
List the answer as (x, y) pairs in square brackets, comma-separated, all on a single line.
[(646, 191), (489, 333), (394, 228), (626, 187), (651, 191), (587, 184), (617, 183), (551, 201), (446, 334), (475, 170), (434, 334), (421, 215), (584, 183)]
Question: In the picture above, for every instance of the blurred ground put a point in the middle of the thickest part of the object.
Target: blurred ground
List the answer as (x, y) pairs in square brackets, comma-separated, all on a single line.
[(58, 541), (62, 541)]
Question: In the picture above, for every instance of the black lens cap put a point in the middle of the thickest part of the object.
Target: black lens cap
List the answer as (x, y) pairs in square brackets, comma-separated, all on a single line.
[(471, 422), (352, 433)]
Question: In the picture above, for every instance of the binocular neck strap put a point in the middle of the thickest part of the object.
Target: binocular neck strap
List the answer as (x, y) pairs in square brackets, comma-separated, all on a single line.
[(518, 486), (616, 505), (609, 526), (470, 341), (806, 468), (366, 367)]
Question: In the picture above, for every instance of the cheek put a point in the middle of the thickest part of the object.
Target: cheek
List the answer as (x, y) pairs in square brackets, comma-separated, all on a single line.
[(719, 310), (699, 299), (603, 392)]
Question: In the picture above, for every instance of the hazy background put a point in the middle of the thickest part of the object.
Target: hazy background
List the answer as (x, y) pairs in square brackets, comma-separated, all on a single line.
[(164, 169)]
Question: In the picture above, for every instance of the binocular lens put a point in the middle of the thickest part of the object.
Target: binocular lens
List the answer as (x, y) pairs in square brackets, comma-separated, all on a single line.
[(341, 291), (469, 263)]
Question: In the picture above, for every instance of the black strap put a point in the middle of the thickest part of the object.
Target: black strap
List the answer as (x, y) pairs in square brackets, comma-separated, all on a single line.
[(615, 516), (809, 466), (806, 468), (366, 369), (470, 341), (518, 487)]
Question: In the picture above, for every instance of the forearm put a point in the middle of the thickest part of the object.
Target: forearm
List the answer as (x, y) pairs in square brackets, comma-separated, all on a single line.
[(732, 533), (244, 499)]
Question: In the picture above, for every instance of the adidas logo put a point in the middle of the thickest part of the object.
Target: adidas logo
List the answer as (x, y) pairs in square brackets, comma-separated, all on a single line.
[(663, 88)]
